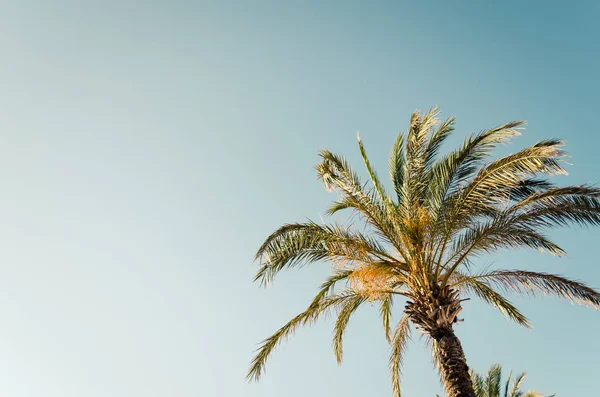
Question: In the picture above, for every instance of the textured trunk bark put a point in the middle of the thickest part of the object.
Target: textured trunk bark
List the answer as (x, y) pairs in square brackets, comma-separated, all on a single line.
[(453, 363), (435, 311)]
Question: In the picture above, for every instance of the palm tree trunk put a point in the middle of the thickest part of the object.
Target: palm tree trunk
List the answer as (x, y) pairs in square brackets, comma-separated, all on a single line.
[(453, 364)]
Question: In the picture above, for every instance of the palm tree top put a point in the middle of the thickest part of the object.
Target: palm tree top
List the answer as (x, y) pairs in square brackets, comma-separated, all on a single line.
[(419, 241)]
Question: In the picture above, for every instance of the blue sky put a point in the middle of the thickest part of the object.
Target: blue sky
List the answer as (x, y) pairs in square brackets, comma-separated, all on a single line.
[(146, 149)]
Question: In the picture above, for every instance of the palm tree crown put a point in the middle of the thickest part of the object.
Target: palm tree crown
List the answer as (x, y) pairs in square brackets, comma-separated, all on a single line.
[(418, 242)]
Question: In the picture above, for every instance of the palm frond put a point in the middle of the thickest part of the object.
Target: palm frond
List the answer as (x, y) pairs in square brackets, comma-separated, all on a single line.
[(556, 207), (328, 285), (336, 173), (507, 384), (491, 384), (525, 282), (399, 342), (493, 379), (339, 206), (556, 194), (299, 243), (372, 173), (487, 294), (309, 316), (396, 165), (414, 182), (517, 385), (478, 384), (542, 158), (449, 172), (490, 236), (419, 130), (385, 310), (437, 139), (346, 311), (520, 224)]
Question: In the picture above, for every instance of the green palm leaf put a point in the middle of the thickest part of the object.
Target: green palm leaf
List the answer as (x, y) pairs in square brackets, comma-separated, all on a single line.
[(399, 342)]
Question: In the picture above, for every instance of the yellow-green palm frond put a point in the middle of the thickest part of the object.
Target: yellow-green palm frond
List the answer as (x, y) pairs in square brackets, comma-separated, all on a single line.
[(346, 311), (398, 347), (414, 183), (339, 206), (507, 384), (557, 195), (525, 282), (516, 386), (385, 310), (419, 130), (299, 243), (491, 385), (396, 165), (520, 225), (309, 316), (559, 207), (336, 174), (492, 181), (478, 384), (498, 233), (483, 291), (492, 381), (450, 173), (436, 141), (327, 287), (452, 170), (379, 188), (490, 236)]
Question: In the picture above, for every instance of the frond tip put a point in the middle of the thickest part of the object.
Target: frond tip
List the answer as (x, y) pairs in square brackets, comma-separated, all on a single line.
[(398, 344), (348, 308)]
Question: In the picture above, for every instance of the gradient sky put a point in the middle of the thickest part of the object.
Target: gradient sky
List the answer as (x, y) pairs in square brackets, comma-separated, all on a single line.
[(147, 148)]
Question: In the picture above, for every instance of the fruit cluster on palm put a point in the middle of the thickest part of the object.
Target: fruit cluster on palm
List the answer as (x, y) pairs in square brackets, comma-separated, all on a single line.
[(418, 243)]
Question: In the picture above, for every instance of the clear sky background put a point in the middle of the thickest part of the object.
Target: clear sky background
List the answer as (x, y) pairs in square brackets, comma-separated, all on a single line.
[(147, 148)]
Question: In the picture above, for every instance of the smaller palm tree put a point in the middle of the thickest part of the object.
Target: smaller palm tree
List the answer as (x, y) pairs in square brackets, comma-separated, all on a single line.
[(491, 385)]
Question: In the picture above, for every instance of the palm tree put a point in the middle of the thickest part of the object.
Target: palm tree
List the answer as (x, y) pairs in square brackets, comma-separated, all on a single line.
[(419, 244), (491, 384)]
